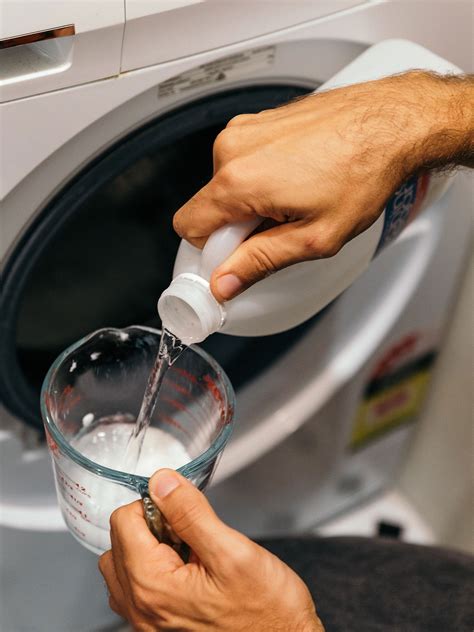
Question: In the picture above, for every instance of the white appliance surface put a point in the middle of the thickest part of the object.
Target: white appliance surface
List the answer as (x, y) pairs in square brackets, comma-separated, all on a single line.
[(62, 104), (391, 508)]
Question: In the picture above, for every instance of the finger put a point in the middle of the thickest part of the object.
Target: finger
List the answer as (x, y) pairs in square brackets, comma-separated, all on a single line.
[(117, 552), (272, 250), (192, 518), (116, 594), (239, 140), (215, 205), (134, 546), (116, 607), (205, 212)]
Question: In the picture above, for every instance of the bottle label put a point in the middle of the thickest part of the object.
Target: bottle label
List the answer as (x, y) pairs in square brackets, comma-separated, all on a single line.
[(402, 208)]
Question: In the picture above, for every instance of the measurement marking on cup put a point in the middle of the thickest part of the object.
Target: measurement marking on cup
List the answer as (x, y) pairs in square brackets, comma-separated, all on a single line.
[(72, 526), (81, 514), (70, 485), (76, 500), (186, 374), (177, 388), (172, 422), (70, 513), (174, 403)]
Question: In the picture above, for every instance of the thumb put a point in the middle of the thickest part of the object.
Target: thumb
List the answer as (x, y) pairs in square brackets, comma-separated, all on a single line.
[(191, 516), (265, 253)]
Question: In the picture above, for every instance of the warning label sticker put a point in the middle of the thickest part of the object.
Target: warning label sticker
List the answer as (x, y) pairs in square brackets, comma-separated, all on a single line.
[(231, 67), (396, 391)]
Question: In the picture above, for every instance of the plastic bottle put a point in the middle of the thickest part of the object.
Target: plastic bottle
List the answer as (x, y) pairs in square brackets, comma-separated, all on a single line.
[(189, 310)]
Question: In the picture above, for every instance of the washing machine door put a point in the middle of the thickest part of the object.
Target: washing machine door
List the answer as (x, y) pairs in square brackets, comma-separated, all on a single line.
[(103, 250)]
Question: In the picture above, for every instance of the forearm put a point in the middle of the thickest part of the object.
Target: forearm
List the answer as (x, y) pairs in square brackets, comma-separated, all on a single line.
[(448, 104)]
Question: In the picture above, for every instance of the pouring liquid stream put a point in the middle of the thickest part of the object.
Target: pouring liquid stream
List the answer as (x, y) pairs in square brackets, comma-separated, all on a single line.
[(169, 351)]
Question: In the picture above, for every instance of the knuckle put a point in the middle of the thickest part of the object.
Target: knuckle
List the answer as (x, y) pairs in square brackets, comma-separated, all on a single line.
[(178, 224), (103, 561), (311, 246), (186, 221), (116, 517), (326, 243), (113, 605), (226, 142), (331, 248), (242, 559), (140, 599), (240, 119), (231, 176), (269, 111), (113, 520), (138, 625), (147, 600)]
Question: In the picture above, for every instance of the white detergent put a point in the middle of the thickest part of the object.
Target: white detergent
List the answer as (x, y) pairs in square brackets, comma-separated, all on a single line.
[(105, 444), (90, 499)]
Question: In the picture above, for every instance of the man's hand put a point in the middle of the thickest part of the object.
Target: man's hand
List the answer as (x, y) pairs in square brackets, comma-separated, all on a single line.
[(230, 584), (323, 168)]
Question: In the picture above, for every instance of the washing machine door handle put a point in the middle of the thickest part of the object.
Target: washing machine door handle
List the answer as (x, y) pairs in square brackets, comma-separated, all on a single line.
[(38, 36), (51, 45)]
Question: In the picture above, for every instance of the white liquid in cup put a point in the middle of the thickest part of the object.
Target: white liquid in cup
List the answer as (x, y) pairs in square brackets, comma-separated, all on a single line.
[(87, 500), (105, 444)]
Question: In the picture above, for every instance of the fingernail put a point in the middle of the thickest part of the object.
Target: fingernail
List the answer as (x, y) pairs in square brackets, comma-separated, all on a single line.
[(163, 483), (228, 285)]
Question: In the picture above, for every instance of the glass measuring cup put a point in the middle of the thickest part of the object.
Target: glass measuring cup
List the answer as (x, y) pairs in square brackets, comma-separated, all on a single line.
[(99, 382)]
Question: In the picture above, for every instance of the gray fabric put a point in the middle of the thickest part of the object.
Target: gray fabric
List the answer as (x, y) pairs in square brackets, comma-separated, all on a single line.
[(372, 585)]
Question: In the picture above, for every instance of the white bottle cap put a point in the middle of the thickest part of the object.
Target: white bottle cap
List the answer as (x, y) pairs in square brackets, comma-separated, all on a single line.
[(189, 310)]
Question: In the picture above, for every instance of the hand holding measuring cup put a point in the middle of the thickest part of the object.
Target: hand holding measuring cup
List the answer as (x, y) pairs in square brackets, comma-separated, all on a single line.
[(230, 583), (90, 400)]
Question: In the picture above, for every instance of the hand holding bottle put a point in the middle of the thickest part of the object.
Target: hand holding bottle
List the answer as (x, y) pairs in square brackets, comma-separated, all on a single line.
[(320, 169)]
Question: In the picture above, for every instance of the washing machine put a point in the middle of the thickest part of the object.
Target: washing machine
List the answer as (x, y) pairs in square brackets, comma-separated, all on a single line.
[(108, 114)]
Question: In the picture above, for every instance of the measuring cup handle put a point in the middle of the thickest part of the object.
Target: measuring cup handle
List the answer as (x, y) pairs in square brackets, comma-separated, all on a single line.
[(161, 529)]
